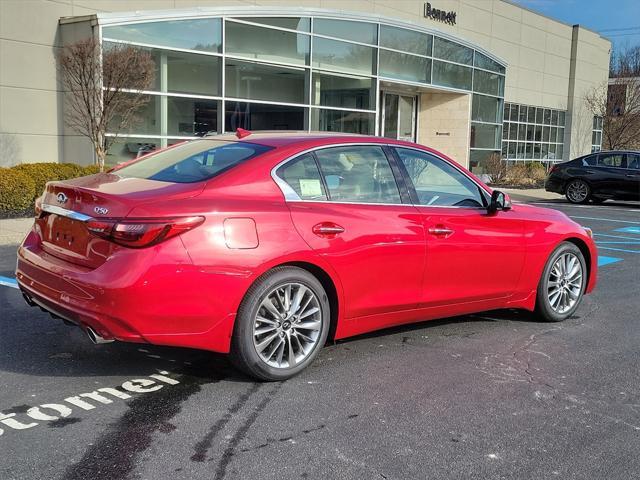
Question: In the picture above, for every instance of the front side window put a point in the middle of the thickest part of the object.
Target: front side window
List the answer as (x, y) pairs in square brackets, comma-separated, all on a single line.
[(611, 160), (437, 183), (303, 177), (358, 174), (192, 162)]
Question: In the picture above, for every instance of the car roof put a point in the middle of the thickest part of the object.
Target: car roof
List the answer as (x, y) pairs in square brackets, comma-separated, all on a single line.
[(281, 138), (637, 152), (611, 151)]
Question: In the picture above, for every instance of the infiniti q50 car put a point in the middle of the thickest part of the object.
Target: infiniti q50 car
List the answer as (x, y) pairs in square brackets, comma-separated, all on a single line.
[(264, 245), (597, 177)]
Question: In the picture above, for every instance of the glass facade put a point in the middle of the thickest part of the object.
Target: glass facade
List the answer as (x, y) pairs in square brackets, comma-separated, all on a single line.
[(296, 73), (533, 133)]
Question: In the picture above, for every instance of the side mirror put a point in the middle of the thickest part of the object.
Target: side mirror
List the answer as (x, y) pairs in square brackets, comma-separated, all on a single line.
[(499, 201)]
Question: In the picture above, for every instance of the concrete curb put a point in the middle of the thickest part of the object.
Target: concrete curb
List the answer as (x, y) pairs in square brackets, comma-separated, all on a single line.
[(530, 194)]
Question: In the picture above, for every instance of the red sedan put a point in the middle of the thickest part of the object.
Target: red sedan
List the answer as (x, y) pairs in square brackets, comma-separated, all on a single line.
[(264, 245)]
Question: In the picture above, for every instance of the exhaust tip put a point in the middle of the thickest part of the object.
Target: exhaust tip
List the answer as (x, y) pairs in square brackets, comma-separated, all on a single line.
[(95, 338), (27, 299)]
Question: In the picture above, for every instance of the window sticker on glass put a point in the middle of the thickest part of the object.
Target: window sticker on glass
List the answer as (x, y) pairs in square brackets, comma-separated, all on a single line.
[(310, 187)]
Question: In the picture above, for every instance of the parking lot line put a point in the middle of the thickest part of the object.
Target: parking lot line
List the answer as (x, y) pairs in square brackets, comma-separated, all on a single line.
[(616, 236), (628, 230), (8, 282), (618, 249), (604, 219), (618, 242)]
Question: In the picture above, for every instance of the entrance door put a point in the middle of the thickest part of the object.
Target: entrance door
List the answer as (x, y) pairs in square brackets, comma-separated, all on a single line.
[(399, 116)]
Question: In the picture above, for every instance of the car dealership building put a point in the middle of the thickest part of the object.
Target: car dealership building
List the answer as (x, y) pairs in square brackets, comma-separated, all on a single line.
[(467, 77)]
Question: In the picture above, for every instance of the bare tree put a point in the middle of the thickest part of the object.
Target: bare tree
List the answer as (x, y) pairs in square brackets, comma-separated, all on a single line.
[(104, 90), (618, 101), (625, 61), (496, 168)]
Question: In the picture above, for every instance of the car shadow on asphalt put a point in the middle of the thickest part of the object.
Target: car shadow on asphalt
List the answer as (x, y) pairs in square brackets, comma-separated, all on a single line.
[(33, 343), (42, 346), (451, 324)]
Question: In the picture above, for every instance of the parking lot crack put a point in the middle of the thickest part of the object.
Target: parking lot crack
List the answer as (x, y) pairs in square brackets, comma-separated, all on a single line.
[(202, 447), (225, 460)]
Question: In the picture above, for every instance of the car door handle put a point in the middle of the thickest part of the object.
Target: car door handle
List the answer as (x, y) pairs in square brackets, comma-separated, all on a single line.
[(440, 231), (630, 175), (327, 229)]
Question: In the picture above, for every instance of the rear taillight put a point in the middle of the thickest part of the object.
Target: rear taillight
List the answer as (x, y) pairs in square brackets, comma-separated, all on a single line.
[(553, 168), (38, 207), (139, 233)]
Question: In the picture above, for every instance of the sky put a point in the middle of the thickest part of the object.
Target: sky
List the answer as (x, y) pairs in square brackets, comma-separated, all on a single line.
[(618, 20)]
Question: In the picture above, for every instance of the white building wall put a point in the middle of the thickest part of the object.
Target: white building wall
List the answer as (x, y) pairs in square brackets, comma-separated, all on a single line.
[(536, 48)]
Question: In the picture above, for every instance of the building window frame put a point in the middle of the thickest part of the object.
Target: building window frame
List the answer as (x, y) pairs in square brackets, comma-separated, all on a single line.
[(308, 104)]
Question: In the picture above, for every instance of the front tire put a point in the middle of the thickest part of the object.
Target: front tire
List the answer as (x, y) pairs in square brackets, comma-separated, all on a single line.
[(562, 284), (282, 323), (578, 191)]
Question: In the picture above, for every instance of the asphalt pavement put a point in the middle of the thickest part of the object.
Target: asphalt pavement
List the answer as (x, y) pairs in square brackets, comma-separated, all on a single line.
[(494, 395)]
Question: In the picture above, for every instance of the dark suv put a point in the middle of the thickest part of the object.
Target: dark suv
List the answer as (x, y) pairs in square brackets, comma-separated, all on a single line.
[(597, 177)]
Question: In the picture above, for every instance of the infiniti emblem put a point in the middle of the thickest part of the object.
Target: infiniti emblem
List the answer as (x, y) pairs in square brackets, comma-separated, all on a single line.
[(61, 197), (101, 210)]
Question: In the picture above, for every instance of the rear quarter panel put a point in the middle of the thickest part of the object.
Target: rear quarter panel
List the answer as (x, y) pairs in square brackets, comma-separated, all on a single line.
[(226, 273)]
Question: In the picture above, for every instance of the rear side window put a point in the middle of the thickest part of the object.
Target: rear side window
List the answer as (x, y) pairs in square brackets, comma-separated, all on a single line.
[(303, 177), (358, 174), (633, 161), (193, 162), (589, 161), (610, 159)]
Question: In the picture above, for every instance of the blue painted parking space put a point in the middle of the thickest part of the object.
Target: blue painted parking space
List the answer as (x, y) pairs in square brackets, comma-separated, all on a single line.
[(8, 282), (602, 260), (618, 243)]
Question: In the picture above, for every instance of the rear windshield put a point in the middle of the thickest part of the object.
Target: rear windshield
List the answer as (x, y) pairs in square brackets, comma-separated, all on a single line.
[(193, 162)]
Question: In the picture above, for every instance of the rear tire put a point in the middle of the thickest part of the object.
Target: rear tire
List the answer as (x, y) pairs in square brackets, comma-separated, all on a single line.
[(578, 191), (282, 323), (562, 284)]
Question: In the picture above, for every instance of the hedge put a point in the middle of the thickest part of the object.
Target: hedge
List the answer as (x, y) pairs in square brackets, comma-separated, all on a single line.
[(22, 184), (17, 191)]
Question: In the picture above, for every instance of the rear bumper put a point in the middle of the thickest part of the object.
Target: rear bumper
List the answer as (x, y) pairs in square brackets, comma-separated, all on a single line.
[(554, 184), (109, 329), (152, 295)]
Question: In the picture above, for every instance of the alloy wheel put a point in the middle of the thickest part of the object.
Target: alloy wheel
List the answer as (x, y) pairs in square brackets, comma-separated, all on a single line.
[(287, 325), (577, 191), (564, 285)]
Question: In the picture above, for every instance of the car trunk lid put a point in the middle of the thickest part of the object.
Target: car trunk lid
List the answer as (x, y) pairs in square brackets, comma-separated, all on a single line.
[(68, 205)]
